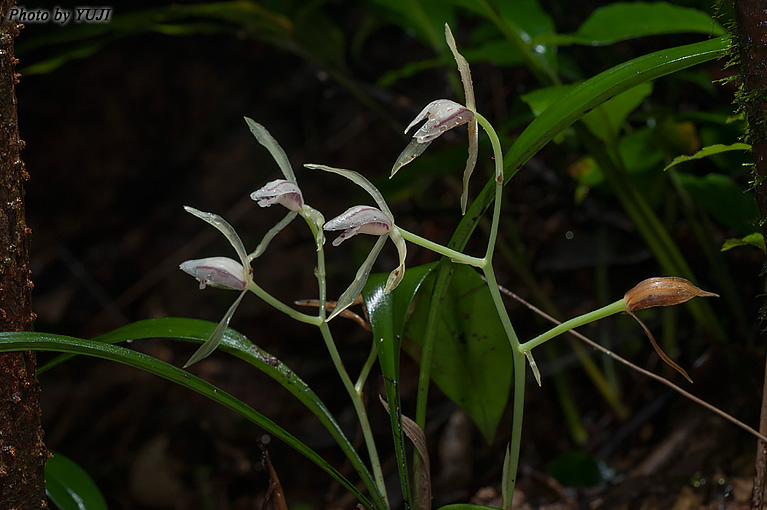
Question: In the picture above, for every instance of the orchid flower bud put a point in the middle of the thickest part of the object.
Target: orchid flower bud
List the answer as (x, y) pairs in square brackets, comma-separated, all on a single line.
[(360, 219), (219, 272), (662, 291), (279, 192)]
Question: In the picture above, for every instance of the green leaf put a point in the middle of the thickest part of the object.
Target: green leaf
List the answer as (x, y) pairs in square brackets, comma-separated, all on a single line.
[(604, 121), (723, 199), (756, 239), (471, 362), (69, 487), (239, 345), (426, 18), (20, 341), (527, 19), (597, 90), (629, 20), (709, 151), (388, 312)]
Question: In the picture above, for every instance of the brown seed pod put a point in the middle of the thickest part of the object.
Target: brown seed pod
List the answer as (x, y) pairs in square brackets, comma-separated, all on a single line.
[(662, 291)]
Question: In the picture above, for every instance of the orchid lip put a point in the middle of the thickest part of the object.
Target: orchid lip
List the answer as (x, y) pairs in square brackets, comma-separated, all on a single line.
[(442, 115), (281, 192), (360, 219), (220, 272)]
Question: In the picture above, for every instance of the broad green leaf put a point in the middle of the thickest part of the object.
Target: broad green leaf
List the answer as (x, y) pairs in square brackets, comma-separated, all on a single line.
[(604, 121), (709, 151), (471, 363), (597, 90), (425, 18), (756, 239), (639, 152), (235, 343), (527, 19), (388, 312), (724, 199), (496, 52), (629, 20), (69, 487)]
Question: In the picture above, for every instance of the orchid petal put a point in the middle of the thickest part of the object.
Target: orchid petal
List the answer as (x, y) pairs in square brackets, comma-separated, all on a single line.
[(225, 228), (220, 272), (471, 162), (264, 244), (468, 90), (411, 151), (218, 334), (354, 289), (281, 192), (395, 277), (359, 180), (267, 140)]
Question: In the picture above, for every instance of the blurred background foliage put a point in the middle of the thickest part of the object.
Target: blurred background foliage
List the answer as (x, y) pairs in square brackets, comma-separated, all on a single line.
[(128, 120)]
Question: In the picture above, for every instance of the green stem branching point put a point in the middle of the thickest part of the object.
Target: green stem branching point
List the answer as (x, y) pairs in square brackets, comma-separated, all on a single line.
[(359, 409)]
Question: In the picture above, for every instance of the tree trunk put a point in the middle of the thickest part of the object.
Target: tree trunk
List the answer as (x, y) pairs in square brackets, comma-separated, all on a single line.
[(751, 39), (22, 452)]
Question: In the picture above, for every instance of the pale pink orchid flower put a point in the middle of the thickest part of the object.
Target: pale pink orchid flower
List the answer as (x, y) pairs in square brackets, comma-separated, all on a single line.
[(219, 272), (365, 219), (280, 192), (442, 115)]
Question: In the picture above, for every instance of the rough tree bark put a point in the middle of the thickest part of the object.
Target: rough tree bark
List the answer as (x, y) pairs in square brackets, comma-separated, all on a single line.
[(22, 452), (751, 39)]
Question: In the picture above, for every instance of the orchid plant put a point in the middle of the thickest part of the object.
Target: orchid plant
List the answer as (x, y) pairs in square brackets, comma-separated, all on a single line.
[(440, 116)]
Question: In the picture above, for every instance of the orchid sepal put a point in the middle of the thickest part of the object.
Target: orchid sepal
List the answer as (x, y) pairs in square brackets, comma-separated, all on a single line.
[(215, 338), (278, 154), (360, 278), (225, 228), (395, 277)]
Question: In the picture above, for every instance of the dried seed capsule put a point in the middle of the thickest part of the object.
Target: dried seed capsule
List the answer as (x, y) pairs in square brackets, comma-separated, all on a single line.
[(662, 291)]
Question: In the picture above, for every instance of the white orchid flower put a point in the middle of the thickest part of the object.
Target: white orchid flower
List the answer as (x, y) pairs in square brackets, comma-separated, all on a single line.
[(443, 115), (220, 272), (365, 219)]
